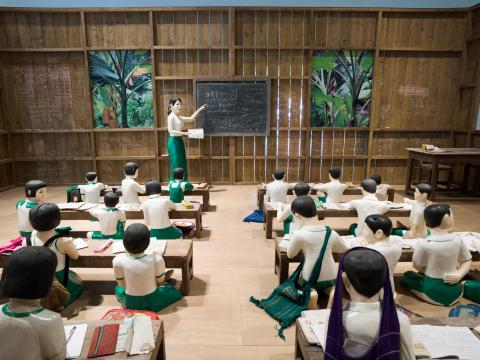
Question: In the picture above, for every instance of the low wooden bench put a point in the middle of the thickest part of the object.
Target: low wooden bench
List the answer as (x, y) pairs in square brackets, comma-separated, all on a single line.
[(158, 334), (178, 255), (180, 213), (203, 192), (262, 191), (306, 351), (271, 213), (282, 261)]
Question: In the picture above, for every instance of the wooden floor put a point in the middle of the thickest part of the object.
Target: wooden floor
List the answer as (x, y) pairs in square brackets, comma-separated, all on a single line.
[(232, 261)]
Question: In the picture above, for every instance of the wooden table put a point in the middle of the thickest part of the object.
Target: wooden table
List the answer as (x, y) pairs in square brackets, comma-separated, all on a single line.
[(466, 156), (271, 213), (306, 351), (158, 334), (204, 193), (262, 191), (180, 213), (282, 261), (178, 255)]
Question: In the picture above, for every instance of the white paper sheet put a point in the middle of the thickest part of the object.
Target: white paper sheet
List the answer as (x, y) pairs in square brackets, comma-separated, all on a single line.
[(129, 207), (443, 341), (70, 205), (124, 333), (142, 340), (75, 344), (156, 246), (196, 133), (80, 243), (471, 239)]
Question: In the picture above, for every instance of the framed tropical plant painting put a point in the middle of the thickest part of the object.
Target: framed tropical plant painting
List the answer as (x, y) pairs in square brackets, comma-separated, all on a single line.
[(341, 88), (121, 83)]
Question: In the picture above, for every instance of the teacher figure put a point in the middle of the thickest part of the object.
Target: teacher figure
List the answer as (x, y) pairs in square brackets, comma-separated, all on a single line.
[(175, 145)]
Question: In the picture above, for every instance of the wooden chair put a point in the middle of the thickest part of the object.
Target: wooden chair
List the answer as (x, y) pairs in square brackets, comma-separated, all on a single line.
[(427, 167)]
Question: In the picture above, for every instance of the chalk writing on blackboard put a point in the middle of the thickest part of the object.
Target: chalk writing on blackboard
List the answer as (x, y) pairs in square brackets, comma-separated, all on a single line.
[(234, 107)]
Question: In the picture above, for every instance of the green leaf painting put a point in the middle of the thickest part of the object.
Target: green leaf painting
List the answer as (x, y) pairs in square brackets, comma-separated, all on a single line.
[(341, 88), (121, 82)]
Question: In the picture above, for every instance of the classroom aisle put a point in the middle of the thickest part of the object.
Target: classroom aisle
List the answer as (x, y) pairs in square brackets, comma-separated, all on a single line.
[(232, 261)]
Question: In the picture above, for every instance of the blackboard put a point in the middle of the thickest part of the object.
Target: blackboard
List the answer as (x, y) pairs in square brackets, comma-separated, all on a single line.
[(235, 107)]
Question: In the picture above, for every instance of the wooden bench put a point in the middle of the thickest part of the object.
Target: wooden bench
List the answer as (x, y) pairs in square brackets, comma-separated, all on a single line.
[(178, 255), (203, 192), (271, 213), (282, 261), (262, 191), (306, 351), (158, 353), (180, 213)]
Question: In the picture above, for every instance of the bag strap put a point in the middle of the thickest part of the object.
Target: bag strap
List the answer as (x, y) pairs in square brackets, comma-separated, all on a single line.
[(318, 265), (66, 269)]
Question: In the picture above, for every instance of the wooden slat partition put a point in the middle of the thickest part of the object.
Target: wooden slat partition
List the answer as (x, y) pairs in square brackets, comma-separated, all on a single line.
[(426, 76)]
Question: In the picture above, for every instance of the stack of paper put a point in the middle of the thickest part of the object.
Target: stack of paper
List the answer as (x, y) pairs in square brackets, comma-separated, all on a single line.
[(129, 207), (314, 325), (447, 341), (196, 133), (135, 336), (70, 205)]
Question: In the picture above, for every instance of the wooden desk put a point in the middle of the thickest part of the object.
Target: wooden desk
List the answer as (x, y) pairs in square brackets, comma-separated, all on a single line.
[(179, 213), (158, 334), (282, 261), (306, 351), (178, 255), (262, 191), (271, 213), (464, 156), (204, 193)]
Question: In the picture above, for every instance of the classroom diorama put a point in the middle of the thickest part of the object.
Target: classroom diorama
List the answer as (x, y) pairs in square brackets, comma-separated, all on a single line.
[(284, 181)]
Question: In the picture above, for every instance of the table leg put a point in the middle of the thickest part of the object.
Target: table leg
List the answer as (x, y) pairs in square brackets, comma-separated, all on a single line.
[(269, 224), (161, 355), (283, 275), (277, 261), (434, 177), (466, 171), (206, 201), (198, 224), (408, 181), (185, 288), (260, 199), (298, 348)]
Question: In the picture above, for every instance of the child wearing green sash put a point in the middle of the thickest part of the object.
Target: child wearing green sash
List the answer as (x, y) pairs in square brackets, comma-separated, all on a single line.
[(35, 192), (177, 186), (436, 259), (284, 211), (316, 272), (140, 276)]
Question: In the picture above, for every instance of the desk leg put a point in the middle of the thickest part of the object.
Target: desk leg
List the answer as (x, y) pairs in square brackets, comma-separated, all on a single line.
[(187, 274), (260, 198), (206, 201), (269, 225), (283, 268), (434, 177), (198, 225), (466, 171), (161, 354), (408, 181), (298, 348)]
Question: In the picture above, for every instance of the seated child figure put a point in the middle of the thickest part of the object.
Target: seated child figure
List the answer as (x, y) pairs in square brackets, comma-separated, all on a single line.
[(111, 219), (28, 331), (376, 235), (130, 188), (437, 259), (382, 189), (178, 186), (92, 189), (277, 190), (140, 276), (365, 327), (368, 205), (155, 211), (418, 227), (317, 243), (333, 190), (35, 192), (284, 211), (44, 218)]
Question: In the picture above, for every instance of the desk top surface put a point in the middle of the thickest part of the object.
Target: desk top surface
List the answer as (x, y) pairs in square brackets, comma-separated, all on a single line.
[(448, 151)]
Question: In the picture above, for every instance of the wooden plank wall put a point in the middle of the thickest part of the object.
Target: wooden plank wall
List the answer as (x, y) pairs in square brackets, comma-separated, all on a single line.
[(423, 89)]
